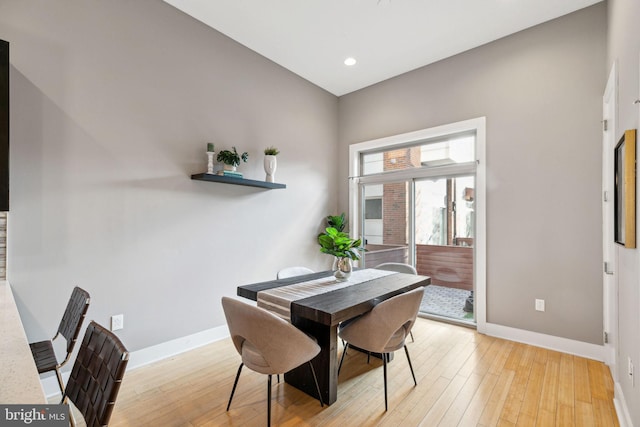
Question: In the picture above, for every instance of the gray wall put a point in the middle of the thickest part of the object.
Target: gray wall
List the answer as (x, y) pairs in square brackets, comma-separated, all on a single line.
[(624, 47), (541, 92), (112, 105)]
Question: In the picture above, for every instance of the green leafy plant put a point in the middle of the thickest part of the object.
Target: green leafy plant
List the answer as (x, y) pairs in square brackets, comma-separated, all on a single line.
[(339, 244), (334, 241), (271, 151), (232, 158), (337, 221)]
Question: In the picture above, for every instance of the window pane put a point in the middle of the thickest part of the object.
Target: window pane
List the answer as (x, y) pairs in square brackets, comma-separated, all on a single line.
[(373, 209), (372, 163), (440, 222), (455, 149), (386, 221), (431, 212), (465, 216)]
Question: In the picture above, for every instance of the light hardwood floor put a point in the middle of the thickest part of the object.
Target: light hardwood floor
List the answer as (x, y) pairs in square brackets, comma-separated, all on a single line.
[(464, 379)]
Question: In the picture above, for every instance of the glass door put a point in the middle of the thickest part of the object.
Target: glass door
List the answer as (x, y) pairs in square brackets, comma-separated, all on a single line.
[(444, 236), (420, 198), (417, 207)]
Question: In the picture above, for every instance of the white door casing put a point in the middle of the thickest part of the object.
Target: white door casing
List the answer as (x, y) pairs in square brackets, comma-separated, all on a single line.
[(609, 250)]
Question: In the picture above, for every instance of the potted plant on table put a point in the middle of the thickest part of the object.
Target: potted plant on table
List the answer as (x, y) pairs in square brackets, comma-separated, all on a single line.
[(338, 222), (343, 248), (270, 163), (231, 159)]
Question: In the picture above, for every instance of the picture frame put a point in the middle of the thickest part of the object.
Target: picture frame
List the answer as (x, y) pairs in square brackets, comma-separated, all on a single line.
[(625, 190)]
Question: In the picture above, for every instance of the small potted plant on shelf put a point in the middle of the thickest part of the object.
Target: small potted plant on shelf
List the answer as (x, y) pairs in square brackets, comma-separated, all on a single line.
[(231, 159), (271, 151), (338, 243), (270, 163)]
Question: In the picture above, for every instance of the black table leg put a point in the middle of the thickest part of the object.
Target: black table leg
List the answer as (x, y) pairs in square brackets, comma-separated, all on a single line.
[(325, 363)]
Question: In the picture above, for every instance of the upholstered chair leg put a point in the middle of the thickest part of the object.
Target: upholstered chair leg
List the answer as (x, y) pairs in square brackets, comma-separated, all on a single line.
[(384, 369), (269, 401), (342, 358), (278, 378), (315, 380), (406, 350), (411, 333), (235, 383)]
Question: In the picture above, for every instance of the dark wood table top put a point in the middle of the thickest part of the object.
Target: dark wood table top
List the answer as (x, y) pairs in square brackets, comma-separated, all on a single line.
[(333, 307), (251, 291)]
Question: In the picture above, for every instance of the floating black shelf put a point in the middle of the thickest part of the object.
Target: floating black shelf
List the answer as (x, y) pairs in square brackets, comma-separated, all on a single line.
[(236, 181)]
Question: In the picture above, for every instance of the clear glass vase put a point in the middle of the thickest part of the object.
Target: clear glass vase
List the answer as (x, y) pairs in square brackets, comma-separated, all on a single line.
[(342, 268)]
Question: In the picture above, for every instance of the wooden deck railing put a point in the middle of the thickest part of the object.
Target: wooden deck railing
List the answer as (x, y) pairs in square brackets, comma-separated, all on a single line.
[(450, 266)]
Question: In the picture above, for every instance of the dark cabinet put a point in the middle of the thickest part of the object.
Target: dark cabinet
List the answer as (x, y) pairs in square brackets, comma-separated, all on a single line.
[(4, 125)]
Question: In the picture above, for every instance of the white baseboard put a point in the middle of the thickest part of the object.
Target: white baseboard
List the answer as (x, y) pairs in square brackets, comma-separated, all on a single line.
[(624, 418), (565, 345), (151, 354), (167, 349)]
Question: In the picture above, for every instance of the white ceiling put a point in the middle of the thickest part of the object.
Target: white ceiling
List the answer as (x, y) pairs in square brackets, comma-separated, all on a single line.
[(312, 38)]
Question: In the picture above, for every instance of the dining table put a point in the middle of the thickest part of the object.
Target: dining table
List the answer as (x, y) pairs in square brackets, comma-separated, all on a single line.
[(317, 303)]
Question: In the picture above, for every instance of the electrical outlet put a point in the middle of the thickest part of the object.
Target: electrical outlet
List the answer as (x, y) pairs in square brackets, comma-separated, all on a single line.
[(539, 305), (117, 322)]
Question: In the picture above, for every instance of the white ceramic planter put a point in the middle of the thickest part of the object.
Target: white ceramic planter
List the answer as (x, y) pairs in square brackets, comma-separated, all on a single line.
[(270, 165)]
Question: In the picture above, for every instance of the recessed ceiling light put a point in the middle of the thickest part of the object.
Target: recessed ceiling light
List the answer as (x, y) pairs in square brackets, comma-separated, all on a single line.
[(350, 61)]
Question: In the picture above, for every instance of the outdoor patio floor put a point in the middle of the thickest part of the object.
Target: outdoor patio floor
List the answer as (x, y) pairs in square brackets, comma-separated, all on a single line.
[(446, 302)]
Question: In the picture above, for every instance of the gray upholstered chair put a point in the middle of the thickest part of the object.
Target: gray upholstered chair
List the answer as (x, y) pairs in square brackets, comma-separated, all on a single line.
[(292, 272), (398, 267), (97, 375), (267, 344), (69, 328), (384, 329)]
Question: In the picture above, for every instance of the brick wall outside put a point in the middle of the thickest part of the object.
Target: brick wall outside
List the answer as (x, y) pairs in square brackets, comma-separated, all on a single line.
[(395, 202)]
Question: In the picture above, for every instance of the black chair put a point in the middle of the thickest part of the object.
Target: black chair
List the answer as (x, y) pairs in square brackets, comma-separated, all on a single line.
[(97, 375), (69, 328)]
